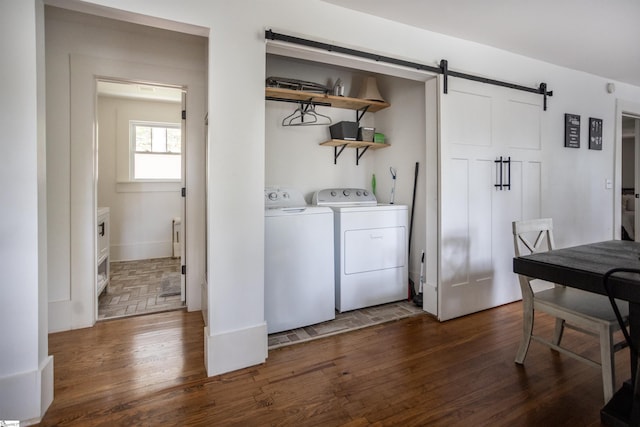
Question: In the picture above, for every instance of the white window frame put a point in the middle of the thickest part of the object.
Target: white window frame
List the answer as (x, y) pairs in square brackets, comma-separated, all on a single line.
[(132, 149)]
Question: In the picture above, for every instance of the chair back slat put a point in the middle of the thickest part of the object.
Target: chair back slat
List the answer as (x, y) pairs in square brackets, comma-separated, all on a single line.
[(544, 229)]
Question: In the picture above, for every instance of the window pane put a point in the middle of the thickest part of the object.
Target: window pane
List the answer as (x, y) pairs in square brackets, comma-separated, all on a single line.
[(157, 151), (157, 166), (159, 140), (174, 140), (143, 138)]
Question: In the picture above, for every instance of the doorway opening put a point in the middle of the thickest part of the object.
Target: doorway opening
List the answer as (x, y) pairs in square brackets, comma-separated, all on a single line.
[(140, 170), (297, 159), (630, 176)]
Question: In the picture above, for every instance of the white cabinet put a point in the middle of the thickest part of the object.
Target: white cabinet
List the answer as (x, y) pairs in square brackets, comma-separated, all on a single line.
[(102, 250)]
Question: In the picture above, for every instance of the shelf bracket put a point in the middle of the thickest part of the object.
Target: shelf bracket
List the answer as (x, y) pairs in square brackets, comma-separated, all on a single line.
[(360, 113), (360, 153), (337, 153)]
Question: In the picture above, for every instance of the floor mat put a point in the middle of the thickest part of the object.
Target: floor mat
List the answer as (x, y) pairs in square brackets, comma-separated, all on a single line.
[(170, 285), (345, 322)]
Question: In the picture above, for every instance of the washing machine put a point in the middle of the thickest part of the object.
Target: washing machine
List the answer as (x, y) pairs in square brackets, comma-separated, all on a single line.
[(371, 253), (299, 269)]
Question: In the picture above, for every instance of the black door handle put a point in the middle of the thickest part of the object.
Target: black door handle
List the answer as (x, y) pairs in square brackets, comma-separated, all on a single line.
[(500, 173), (508, 162)]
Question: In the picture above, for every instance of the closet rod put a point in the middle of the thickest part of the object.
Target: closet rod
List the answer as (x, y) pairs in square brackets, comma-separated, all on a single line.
[(298, 101), (443, 69)]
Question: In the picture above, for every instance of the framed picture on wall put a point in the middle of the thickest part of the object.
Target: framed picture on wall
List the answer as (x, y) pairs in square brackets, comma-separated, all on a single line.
[(572, 130), (595, 134)]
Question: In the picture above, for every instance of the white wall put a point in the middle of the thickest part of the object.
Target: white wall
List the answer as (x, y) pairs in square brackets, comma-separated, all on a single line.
[(574, 192), (26, 370), (141, 213)]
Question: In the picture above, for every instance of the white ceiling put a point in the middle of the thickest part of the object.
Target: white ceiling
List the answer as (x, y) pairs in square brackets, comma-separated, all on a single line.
[(601, 37)]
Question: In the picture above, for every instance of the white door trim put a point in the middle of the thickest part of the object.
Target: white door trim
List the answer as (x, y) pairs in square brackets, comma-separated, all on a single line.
[(623, 107)]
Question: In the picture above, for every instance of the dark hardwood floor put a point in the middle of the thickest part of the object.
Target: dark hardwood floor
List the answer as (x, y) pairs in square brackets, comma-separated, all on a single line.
[(149, 371)]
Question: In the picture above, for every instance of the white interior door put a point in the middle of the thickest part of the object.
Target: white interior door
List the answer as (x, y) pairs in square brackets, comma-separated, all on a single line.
[(479, 124)]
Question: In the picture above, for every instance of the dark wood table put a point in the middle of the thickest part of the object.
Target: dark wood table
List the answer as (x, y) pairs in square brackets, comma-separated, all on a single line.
[(583, 267)]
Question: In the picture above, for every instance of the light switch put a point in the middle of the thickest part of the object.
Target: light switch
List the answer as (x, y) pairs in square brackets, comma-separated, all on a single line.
[(608, 184)]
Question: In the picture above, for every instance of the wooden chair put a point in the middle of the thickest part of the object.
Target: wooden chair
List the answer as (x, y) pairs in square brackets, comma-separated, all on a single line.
[(580, 310)]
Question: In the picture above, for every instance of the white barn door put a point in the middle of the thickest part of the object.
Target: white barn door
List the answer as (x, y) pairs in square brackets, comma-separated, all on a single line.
[(480, 123)]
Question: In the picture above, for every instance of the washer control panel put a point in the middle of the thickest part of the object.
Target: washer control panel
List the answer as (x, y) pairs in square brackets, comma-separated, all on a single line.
[(344, 196), (283, 197)]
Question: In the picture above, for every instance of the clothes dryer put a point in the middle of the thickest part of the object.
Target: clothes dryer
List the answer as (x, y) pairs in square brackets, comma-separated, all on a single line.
[(371, 259)]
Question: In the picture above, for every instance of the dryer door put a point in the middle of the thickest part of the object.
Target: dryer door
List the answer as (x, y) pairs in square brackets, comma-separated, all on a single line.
[(374, 249)]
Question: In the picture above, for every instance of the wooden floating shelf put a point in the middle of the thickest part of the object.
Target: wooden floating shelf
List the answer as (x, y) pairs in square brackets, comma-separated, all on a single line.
[(354, 144), (335, 101)]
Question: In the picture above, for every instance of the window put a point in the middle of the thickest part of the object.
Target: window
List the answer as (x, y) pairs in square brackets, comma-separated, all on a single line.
[(156, 151)]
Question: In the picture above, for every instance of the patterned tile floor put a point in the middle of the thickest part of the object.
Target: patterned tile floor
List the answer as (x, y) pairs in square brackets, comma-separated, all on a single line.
[(141, 287), (345, 322)]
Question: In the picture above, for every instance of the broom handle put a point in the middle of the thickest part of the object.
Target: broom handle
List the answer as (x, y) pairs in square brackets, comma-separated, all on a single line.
[(413, 205)]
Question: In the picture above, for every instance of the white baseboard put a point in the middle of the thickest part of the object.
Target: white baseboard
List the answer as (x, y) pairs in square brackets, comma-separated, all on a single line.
[(27, 396), (230, 351), (67, 315)]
